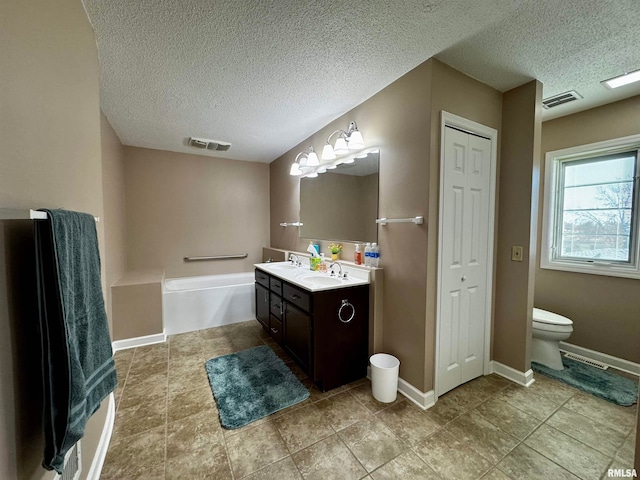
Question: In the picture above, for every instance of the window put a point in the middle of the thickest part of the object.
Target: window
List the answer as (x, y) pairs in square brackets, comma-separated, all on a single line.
[(591, 209)]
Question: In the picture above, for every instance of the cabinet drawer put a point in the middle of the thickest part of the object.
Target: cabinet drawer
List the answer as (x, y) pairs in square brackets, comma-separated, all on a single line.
[(275, 284), (276, 329), (262, 278), (296, 296), (275, 306)]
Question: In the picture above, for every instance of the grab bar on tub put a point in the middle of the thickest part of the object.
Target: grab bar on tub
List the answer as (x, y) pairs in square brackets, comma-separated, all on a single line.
[(216, 257)]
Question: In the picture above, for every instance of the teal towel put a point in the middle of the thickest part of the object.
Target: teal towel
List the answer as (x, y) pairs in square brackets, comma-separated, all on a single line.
[(78, 367)]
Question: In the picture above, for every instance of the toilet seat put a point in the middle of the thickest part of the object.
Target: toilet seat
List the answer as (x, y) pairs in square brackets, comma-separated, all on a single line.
[(552, 327), (550, 318)]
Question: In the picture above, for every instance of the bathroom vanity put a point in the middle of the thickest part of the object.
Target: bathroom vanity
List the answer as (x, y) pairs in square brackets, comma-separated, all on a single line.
[(322, 322)]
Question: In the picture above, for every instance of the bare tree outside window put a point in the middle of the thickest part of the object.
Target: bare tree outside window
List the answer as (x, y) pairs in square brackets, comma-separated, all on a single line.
[(597, 209)]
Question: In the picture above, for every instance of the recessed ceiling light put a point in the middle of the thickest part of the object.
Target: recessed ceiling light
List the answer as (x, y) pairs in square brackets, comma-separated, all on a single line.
[(621, 80)]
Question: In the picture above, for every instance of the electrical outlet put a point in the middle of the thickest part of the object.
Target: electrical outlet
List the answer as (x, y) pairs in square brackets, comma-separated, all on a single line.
[(516, 253)]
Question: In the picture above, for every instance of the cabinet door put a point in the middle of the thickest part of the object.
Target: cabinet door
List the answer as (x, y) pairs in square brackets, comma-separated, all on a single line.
[(297, 335), (340, 336), (262, 305)]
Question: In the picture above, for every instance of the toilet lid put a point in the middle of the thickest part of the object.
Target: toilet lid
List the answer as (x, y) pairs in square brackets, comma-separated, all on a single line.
[(544, 316)]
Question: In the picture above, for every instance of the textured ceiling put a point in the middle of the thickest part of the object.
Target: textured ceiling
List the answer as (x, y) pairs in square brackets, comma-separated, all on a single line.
[(264, 75)]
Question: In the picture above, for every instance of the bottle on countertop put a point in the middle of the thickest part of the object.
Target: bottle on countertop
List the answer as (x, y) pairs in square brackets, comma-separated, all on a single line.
[(375, 255), (357, 255), (322, 266), (367, 255), (315, 258)]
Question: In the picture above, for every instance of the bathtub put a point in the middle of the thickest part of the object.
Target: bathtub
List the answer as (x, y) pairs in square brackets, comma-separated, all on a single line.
[(197, 303)]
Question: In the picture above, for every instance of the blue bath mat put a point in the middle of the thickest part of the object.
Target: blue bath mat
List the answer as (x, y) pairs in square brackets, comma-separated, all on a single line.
[(252, 384), (601, 383)]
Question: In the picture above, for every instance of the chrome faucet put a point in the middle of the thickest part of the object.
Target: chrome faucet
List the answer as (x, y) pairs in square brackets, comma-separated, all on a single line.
[(297, 261), (340, 274)]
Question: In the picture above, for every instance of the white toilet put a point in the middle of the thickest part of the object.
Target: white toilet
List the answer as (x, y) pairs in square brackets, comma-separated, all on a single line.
[(549, 329)]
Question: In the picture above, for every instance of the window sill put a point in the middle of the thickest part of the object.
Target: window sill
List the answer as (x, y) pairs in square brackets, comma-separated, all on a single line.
[(593, 269)]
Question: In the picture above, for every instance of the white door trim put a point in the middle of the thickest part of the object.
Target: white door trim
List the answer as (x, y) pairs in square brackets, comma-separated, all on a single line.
[(449, 119)]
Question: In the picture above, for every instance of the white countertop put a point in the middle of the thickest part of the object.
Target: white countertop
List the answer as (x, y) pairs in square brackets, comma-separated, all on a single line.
[(314, 281)]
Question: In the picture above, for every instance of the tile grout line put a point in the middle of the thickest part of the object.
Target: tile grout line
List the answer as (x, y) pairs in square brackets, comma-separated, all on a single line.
[(544, 422)]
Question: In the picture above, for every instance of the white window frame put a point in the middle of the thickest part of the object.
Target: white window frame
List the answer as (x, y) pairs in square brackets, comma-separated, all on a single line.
[(552, 161)]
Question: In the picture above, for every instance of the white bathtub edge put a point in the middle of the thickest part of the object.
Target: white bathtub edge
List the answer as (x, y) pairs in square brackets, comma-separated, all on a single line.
[(138, 341)]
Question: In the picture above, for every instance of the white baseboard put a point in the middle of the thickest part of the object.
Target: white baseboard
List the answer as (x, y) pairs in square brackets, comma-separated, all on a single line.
[(138, 341), (424, 400), (421, 399), (521, 378), (103, 444), (615, 362)]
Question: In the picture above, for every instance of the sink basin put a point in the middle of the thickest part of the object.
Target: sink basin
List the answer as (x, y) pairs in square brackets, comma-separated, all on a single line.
[(282, 266), (321, 280)]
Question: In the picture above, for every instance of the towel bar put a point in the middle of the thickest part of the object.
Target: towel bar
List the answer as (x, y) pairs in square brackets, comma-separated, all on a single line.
[(291, 224), (25, 214), (216, 257), (416, 220)]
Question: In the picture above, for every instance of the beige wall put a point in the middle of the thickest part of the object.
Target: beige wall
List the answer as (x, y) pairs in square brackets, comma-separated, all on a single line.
[(517, 219), (604, 309), (461, 95), (114, 216), (182, 205), (397, 120), (50, 157), (137, 304), (400, 120)]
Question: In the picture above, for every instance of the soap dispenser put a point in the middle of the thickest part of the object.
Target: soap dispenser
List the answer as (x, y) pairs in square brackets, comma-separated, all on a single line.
[(357, 256)]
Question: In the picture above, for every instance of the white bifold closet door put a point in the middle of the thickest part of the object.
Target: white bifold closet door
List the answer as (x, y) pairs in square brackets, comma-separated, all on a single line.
[(464, 251)]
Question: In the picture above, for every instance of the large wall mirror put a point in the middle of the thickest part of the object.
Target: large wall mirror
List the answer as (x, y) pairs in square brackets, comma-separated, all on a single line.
[(342, 204)]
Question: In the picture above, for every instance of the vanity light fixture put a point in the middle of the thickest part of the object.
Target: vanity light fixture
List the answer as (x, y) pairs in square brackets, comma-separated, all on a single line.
[(295, 166), (304, 160), (621, 80), (349, 140), (312, 158)]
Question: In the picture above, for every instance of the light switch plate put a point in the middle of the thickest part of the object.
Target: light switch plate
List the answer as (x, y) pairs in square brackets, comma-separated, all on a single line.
[(516, 253)]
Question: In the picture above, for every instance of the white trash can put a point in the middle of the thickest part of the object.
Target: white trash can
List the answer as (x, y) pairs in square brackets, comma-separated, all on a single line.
[(384, 377)]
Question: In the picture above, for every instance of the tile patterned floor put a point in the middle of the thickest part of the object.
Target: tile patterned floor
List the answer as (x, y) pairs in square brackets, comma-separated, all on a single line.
[(167, 426)]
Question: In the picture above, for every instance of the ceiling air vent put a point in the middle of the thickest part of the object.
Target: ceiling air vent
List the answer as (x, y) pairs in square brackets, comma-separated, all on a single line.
[(561, 98), (206, 144)]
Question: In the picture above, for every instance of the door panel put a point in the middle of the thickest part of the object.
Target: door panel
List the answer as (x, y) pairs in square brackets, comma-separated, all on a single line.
[(262, 305), (464, 251), (297, 335)]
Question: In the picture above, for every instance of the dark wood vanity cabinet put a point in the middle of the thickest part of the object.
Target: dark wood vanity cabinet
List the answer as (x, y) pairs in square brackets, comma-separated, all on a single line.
[(297, 336), (325, 332), (262, 305)]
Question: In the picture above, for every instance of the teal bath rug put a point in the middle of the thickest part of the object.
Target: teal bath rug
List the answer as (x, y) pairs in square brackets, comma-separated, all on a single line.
[(601, 383), (252, 384)]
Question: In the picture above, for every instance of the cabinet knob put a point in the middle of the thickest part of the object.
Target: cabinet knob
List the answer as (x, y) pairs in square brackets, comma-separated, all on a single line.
[(464, 277), (347, 305), (274, 330)]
